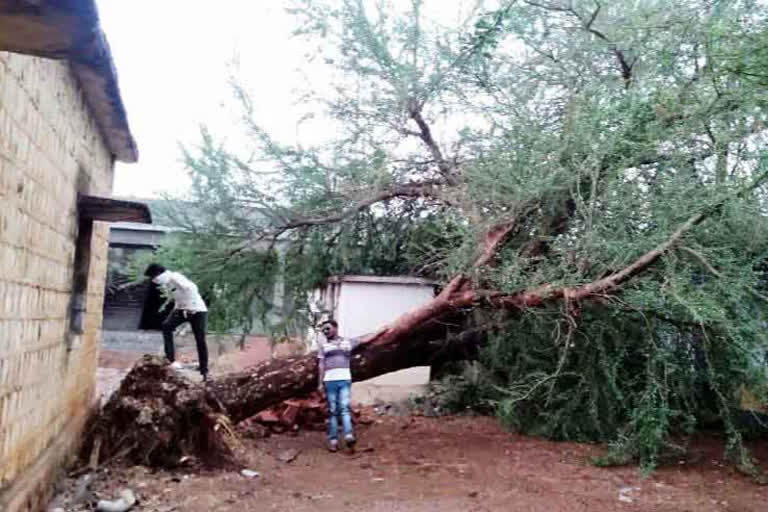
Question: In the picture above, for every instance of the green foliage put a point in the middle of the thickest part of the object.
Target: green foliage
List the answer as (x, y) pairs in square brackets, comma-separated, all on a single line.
[(673, 354), (597, 129), (371, 245), (637, 381), (463, 386)]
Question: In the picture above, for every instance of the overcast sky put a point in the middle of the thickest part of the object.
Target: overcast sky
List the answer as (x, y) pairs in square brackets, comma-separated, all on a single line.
[(174, 58)]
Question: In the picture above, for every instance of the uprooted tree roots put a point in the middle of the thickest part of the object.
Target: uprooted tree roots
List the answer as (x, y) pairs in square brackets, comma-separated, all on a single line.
[(157, 417)]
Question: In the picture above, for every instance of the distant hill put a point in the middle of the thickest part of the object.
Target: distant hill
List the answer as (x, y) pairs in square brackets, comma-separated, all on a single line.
[(161, 208)]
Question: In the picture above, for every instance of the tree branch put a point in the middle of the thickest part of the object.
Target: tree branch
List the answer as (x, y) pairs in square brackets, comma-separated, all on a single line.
[(413, 189), (702, 260), (539, 296), (499, 234), (625, 66), (548, 7), (447, 169), (495, 238), (716, 273), (458, 293), (421, 189)]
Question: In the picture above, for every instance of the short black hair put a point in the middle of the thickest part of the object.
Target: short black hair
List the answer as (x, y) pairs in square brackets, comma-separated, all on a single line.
[(154, 270), (330, 321)]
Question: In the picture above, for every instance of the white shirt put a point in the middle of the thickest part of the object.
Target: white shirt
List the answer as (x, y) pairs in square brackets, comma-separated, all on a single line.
[(183, 291), (337, 374)]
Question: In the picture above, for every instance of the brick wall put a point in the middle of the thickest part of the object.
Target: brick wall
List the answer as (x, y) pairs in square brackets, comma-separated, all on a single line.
[(50, 148)]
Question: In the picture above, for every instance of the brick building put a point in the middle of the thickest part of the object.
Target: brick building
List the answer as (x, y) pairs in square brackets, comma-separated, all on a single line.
[(62, 126)]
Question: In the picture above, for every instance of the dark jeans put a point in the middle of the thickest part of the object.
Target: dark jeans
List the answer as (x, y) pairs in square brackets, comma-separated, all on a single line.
[(199, 321)]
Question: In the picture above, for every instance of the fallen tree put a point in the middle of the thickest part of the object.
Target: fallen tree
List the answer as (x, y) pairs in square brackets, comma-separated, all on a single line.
[(601, 212), (157, 417), (170, 417)]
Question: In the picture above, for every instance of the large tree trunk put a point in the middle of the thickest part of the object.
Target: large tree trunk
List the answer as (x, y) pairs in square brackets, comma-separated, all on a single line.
[(157, 417), (245, 393)]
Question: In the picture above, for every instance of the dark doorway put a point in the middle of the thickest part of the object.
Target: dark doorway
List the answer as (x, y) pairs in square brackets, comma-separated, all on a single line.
[(153, 313), (131, 304)]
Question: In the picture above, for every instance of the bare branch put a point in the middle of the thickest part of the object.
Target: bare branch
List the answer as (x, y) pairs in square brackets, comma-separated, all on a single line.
[(447, 169), (715, 272), (594, 16), (495, 238), (415, 189), (250, 170), (625, 66), (549, 7), (424, 189), (497, 235), (702, 260)]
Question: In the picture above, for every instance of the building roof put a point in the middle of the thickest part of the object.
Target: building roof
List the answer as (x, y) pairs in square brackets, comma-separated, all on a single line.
[(135, 226), (112, 210), (409, 280), (70, 29)]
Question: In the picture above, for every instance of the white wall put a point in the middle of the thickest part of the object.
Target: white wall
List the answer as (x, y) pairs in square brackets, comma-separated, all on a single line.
[(363, 308), (362, 305)]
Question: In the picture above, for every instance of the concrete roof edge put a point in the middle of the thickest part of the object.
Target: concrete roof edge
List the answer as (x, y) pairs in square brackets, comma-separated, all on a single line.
[(408, 280), (70, 30)]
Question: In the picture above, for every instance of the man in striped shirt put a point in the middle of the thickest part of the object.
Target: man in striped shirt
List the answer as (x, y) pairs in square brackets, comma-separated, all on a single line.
[(335, 378)]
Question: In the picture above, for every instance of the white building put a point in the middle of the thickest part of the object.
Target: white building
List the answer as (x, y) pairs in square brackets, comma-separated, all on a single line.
[(363, 304)]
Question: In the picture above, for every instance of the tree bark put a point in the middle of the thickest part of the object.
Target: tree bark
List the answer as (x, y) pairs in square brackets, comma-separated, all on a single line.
[(157, 417), (245, 393)]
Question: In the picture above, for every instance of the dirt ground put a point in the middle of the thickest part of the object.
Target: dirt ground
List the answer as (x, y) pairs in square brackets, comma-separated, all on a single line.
[(419, 464)]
